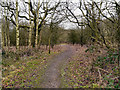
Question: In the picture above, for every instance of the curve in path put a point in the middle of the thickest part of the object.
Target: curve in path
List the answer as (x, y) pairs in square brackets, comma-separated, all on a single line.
[(51, 78)]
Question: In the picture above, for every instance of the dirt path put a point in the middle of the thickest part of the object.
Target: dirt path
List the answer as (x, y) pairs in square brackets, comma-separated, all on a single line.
[(51, 78)]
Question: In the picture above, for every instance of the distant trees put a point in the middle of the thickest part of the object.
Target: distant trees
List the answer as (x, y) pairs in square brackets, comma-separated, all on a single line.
[(73, 37), (79, 36), (94, 25)]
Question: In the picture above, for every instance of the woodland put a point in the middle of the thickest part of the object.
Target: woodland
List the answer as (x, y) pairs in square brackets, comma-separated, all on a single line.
[(38, 49)]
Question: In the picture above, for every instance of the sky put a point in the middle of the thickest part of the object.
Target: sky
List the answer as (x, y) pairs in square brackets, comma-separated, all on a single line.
[(66, 24)]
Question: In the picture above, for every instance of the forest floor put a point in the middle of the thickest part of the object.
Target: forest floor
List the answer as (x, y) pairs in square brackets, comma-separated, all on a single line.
[(68, 66), (39, 70)]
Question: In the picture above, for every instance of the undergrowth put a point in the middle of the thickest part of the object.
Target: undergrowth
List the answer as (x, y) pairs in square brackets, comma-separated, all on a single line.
[(27, 71), (92, 69)]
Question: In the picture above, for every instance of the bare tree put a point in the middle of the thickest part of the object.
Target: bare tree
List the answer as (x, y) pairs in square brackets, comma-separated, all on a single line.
[(92, 17), (37, 13)]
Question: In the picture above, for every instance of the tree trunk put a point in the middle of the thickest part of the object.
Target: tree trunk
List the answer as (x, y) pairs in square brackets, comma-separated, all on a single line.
[(49, 45), (50, 36), (118, 42), (6, 41), (30, 29), (8, 36), (36, 38), (40, 38), (17, 32), (118, 37), (49, 42), (17, 27), (5, 32), (37, 24), (0, 38), (119, 54), (3, 41)]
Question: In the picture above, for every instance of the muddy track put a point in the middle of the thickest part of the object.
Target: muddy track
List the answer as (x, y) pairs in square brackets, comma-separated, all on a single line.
[(51, 78)]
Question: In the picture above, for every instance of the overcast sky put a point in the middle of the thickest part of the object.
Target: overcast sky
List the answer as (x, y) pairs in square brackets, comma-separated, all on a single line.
[(66, 25)]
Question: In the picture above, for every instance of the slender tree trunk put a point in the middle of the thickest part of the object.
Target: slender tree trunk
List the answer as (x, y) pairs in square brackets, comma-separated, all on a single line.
[(17, 27), (49, 43), (119, 54), (3, 40), (46, 47), (82, 34), (119, 49), (50, 36), (93, 23), (8, 36), (119, 39), (0, 38), (6, 40), (5, 32), (37, 23), (30, 30), (40, 38), (30, 35), (36, 38)]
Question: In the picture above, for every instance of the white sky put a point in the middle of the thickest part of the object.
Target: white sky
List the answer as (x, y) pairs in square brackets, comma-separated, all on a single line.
[(66, 25)]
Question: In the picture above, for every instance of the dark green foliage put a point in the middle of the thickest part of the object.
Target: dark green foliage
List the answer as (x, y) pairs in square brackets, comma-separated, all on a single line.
[(3, 52), (73, 37), (45, 36), (13, 37), (111, 82), (55, 35), (78, 37), (24, 37), (110, 58), (118, 35), (90, 49)]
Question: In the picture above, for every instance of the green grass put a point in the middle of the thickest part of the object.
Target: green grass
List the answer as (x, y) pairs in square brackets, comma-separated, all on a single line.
[(26, 72)]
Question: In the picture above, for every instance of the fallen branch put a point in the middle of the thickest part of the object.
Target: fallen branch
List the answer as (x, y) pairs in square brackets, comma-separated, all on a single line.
[(100, 77), (101, 69), (115, 77)]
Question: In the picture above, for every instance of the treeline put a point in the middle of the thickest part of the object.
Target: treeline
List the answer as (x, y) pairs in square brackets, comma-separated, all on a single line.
[(79, 36), (33, 22), (45, 35)]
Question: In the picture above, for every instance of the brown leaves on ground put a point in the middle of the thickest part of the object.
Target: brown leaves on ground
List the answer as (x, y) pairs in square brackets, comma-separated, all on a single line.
[(27, 71), (81, 72)]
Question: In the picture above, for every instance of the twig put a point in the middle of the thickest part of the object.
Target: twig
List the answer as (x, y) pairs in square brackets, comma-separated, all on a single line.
[(100, 77), (101, 69), (115, 77)]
